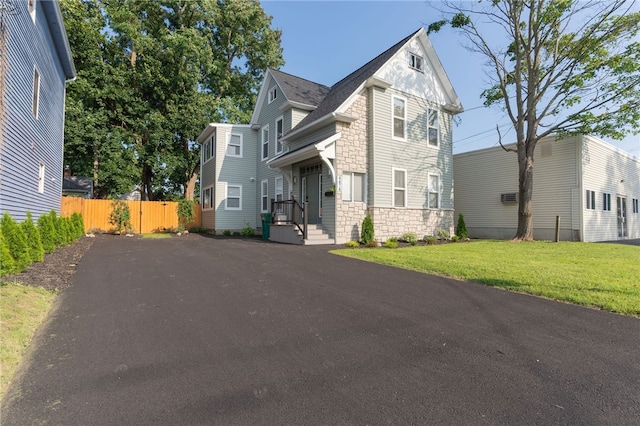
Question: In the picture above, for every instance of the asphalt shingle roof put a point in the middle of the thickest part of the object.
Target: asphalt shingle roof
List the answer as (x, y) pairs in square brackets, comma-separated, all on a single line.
[(300, 90)]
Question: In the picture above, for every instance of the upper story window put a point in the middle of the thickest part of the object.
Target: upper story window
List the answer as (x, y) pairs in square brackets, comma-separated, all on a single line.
[(265, 142), (399, 188), (279, 131), (32, 10), (209, 149), (273, 94), (399, 118), (434, 128), (591, 200), (416, 62), (234, 148), (36, 93)]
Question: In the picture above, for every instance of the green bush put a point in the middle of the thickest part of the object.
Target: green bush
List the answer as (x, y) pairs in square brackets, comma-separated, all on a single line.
[(443, 234), (226, 233), (78, 225), (120, 217), (16, 241), (372, 244), (47, 233), (455, 239), (461, 228), (36, 252), (430, 240), (248, 231), (410, 237), (391, 243), (197, 230), (353, 244), (7, 264), (186, 213), (59, 237), (367, 235)]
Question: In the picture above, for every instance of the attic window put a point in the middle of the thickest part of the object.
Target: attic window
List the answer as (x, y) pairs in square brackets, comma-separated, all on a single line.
[(273, 94), (416, 62)]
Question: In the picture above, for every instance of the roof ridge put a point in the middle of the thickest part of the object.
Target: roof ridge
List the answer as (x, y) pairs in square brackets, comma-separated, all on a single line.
[(299, 78)]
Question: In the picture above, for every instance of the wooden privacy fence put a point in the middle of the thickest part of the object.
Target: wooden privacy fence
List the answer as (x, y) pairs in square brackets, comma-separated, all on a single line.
[(146, 216)]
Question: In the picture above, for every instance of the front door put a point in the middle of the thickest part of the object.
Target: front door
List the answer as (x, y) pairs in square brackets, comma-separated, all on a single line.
[(622, 217), (311, 192)]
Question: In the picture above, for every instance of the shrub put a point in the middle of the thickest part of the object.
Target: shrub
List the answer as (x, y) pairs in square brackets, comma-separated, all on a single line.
[(47, 233), (461, 228), (443, 234), (78, 225), (7, 264), (410, 237), (430, 240), (59, 238), (367, 234), (185, 213), (455, 239), (226, 233), (34, 243), (248, 231), (391, 243), (353, 244), (372, 244), (197, 229), (120, 216), (16, 241), (236, 234)]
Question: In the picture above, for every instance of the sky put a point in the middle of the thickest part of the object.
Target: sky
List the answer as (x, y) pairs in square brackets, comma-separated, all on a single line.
[(324, 41)]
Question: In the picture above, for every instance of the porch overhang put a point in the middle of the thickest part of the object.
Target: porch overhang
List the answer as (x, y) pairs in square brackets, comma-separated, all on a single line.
[(325, 149)]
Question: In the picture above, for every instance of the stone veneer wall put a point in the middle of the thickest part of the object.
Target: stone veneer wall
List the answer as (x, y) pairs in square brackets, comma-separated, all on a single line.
[(351, 156), (393, 222)]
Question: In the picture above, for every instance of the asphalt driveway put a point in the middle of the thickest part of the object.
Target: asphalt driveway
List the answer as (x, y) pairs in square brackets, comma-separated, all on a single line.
[(209, 331)]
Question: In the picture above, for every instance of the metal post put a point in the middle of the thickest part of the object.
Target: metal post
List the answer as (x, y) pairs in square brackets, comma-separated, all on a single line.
[(557, 228)]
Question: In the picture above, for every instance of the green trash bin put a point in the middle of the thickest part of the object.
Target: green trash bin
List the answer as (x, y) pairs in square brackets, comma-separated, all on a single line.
[(266, 223)]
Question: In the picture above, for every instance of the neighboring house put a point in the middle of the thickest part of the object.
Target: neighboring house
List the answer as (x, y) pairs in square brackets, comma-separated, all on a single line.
[(591, 185), (77, 186), (377, 142), (36, 64)]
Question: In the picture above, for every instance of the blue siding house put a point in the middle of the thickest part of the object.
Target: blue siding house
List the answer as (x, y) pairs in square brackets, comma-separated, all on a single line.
[(35, 65)]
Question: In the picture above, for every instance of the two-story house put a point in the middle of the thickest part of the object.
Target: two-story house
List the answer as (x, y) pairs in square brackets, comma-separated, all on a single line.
[(318, 159), (35, 65)]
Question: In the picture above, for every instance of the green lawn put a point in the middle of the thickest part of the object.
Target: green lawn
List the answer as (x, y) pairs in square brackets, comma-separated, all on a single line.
[(22, 310), (606, 276), (158, 235)]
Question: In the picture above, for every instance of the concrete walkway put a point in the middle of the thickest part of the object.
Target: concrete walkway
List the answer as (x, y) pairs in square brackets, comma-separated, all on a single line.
[(203, 331)]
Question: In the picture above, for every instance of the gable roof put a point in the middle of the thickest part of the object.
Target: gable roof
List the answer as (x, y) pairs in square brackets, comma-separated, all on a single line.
[(53, 15), (344, 88), (298, 89)]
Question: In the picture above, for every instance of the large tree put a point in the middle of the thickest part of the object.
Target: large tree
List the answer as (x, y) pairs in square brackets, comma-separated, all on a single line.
[(560, 67), (152, 74)]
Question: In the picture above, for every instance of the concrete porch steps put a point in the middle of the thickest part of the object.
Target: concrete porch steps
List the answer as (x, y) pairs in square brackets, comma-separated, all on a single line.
[(289, 234)]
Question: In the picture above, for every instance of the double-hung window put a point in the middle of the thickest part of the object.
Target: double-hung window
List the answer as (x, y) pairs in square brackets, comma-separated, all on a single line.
[(399, 118), (234, 147), (207, 198), (279, 131), (264, 195), (279, 188), (353, 187), (273, 94), (434, 128), (591, 199), (634, 205), (265, 142), (399, 188), (234, 197), (606, 202), (434, 191), (209, 149)]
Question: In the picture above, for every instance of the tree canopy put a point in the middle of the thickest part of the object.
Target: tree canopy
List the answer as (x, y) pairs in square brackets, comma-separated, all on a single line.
[(151, 75), (559, 67)]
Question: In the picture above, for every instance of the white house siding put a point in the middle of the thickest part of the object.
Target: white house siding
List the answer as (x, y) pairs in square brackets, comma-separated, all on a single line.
[(28, 141), (418, 159), (606, 169), (351, 156), (236, 171), (559, 184)]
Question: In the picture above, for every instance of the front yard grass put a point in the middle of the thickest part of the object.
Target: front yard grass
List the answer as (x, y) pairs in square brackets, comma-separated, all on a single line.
[(605, 276), (22, 310)]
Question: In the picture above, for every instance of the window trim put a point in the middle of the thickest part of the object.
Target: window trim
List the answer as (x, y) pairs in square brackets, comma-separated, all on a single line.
[(606, 202), (273, 94), (241, 145), (264, 142), (41, 176), (591, 200), (35, 96), (352, 186), (31, 6), (227, 197), (394, 187), (203, 198), (264, 196), (278, 137), (393, 118), (439, 191), (437, 128), (412, 62), (209, 149), (275, 184)]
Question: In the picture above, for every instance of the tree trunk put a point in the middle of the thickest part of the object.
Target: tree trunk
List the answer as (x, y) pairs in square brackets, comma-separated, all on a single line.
[(190, 186), (525, 196)]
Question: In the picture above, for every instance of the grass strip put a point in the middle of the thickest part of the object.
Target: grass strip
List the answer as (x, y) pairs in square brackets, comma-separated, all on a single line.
[(159, 235), (598, 275), (22, 310)]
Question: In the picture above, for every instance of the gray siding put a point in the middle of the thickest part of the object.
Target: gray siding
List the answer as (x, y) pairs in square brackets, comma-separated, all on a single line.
[(28, 141)]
